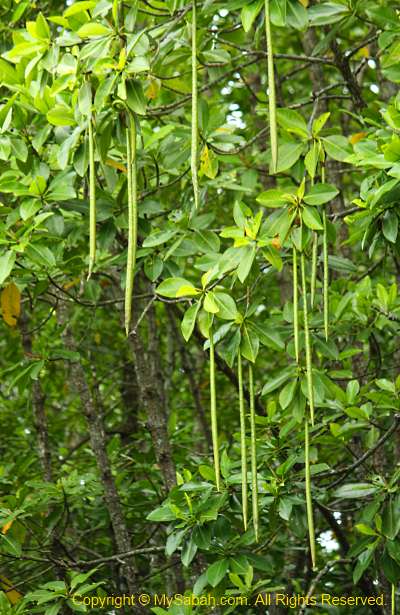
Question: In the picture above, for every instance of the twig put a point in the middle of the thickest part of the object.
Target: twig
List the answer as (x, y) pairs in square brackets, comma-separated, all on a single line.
[(344, 472), (317, 579)]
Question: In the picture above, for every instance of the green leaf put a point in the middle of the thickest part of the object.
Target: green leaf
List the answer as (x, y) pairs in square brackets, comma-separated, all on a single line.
[(390, 225), (391, 569), (162, 513), (175, 287), (355, 490), (311, 218), (319, 123), (8, 74), (216, 572), (85, 99), (210, 305), (93, 29), (326, 13), (287, 394), (53, 609), (10, 545), (273, 198), (292, 122), (285, 508), (41, 255), (268, 335), (227, 309), (7, 261), (363, 561), (135, 97), (249, 345), (174, 541), (278, 12), (352, 390), (81, 577), (311, 159), (157, 238), (60, 115), (188, 552), (274, 383), (386, 385), (272, 255), (249, 13), (248, 255), (297, 16), (288, 155), (139, 64), (207, 241), (365, 529), (79, 7), (337, 147), (391, 518), (320, 194), (189, 321)]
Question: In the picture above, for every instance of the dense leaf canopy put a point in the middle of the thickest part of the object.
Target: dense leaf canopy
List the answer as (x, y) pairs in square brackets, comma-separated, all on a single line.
[(223, 182)]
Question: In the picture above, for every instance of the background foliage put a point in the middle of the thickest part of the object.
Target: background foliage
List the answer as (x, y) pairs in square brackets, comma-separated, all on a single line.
[(106, 446)]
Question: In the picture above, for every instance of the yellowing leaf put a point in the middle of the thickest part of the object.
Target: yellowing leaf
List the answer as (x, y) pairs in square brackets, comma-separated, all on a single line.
[(358, 136), (122, 59), (116, 165), (10, 304), (208, 163), (152, 89), (6, 527), (276, 242), (305, 3), (71, 284), (363, 52), (12, 594)]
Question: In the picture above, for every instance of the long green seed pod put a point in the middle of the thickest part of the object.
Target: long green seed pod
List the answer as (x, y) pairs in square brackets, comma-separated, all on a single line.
[(194, 145), (243, 452), (213, 411), (309, 504), (92, 200), (326, 275), (132, 218), (295, 306), (254, 483), (393, 599), (273, 134), (326, 263), (307, 339), (314, 266)]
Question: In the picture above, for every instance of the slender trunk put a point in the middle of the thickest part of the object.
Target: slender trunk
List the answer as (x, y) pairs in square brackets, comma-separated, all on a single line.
[(94, 417), (41, 426), (149, 375), (94, 414)]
